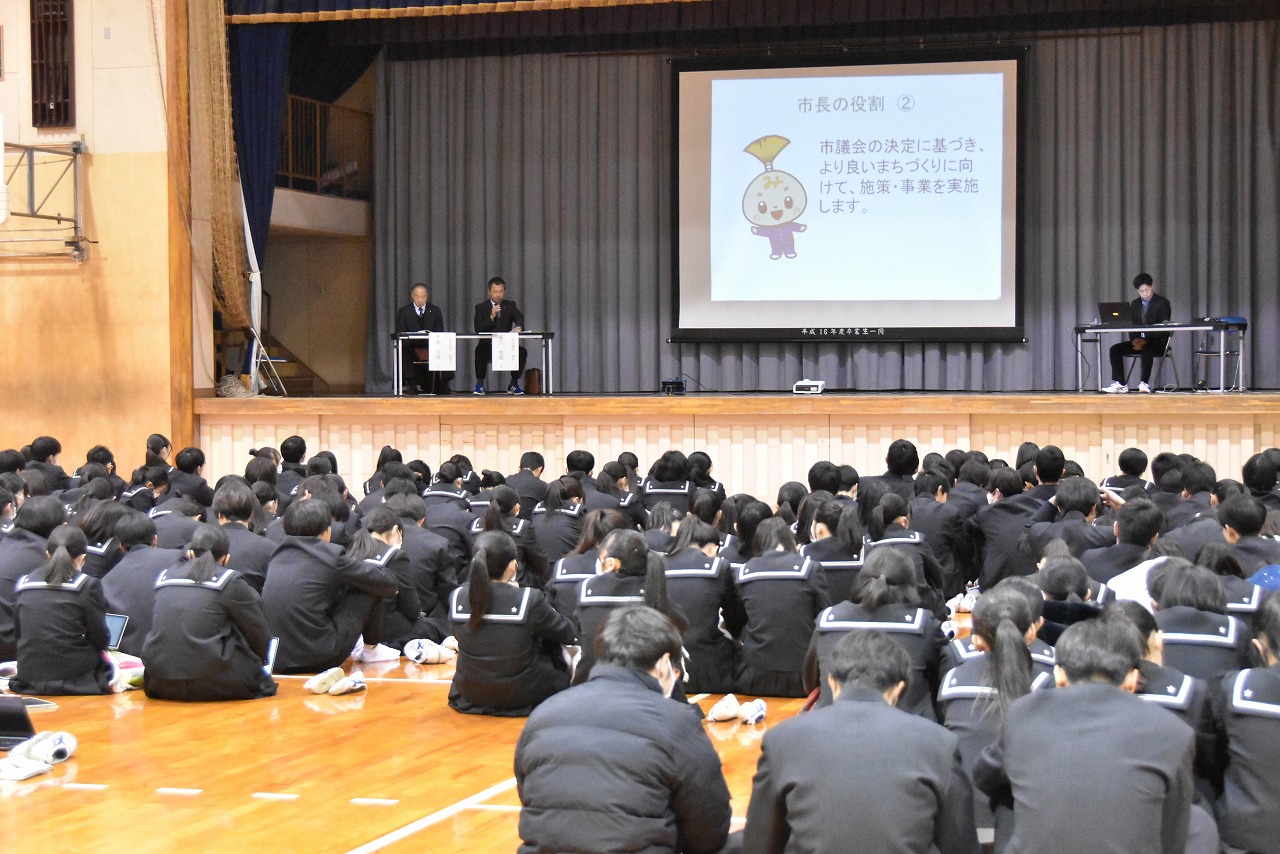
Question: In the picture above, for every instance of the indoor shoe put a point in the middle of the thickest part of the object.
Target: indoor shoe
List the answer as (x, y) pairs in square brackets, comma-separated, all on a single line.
[(1143, 388), (322, 682), (753, 712), (378, 652), (348, 684), (423, 651), (1116, 388), (47, 747), (514, 388), (479, 389), (450, 643), (16, 768), (725, 710)]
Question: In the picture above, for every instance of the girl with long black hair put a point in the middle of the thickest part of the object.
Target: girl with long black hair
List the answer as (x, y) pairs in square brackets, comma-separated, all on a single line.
[(503, 515), (701, 584), (580, 564), (557, 519)]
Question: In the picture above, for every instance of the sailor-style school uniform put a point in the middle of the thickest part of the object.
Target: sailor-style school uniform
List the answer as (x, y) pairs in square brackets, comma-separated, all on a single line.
[(675, 493), (567, 576), (173, 530), (1243, 598), (557, 531), (20, 553), (929, 579), (208, 639), (914, 629), (630, 506), (99, 558), (962, 650), (703, 587), (598, 596), (1189, 699), (130, 589), (448, 517), (514, 660), (1202, 644), (532, 566), (1247, 709), (250, 553), (840, 567), (401, 618), (62, 633), (782, 593), (430, 570), (139, 497), (659, 540)]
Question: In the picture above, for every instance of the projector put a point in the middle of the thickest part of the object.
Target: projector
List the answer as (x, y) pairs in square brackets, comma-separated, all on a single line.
[(675, 386), (809, 387)]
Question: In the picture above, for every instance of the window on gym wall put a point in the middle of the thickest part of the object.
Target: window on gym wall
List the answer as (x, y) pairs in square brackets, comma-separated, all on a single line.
[(52, 64)]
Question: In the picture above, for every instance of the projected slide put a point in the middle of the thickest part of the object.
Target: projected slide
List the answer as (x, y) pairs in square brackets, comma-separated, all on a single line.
[(848, 202)]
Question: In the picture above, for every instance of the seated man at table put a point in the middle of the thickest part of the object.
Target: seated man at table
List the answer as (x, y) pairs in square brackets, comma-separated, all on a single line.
[(497, 314), (1147, 310), (420, 316)]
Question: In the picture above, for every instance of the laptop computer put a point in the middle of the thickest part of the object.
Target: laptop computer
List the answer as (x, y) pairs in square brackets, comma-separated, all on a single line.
[(15, 723), (1114, 314), (115, 630)]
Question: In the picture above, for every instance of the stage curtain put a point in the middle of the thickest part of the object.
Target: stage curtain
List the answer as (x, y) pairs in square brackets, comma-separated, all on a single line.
[(1151, 149)]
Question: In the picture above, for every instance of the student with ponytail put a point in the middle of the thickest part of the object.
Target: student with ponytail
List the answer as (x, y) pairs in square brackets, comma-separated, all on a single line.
[(835, 540), (399, 619), (660, 533), (668, 481), (557, 519), (889, 524), (60, 623), (611, 490), (884, 598), (209, 635), (701, 584), (503, 515), (158, 450), (700, 473), (510, 639), (24, 551), (577, 566)]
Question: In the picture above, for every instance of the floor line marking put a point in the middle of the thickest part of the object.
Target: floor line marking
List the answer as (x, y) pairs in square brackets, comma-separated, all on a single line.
[(698, 698), (88, 787), (495, 807), (434, 818), (375, 802), (375, 679), (275, 796), (169, 790)]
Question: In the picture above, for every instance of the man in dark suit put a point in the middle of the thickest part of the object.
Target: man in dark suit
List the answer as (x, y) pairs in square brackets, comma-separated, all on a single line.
[(497, 314), (420, 316), (1147, 310)]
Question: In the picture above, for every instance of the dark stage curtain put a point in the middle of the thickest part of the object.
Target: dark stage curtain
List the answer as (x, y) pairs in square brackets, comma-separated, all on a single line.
[(1150, 149)]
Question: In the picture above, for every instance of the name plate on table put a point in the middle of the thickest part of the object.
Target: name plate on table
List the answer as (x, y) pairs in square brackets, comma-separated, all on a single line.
[(444, 351), (506, 351)]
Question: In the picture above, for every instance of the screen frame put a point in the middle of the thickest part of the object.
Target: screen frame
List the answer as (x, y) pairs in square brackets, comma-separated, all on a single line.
[(969, 334)]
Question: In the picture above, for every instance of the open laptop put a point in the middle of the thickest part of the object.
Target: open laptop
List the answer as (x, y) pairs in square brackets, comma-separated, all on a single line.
[(115, 630), (1114, 314), (15, 723)]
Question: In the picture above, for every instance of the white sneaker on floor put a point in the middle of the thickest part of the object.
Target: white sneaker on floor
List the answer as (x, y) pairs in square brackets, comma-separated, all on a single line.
[(348, 684), (753, 712), (423, 651), (1116, 388), (725, 710), (380, 652), (1143, 388), (47, 747), (322, 682)]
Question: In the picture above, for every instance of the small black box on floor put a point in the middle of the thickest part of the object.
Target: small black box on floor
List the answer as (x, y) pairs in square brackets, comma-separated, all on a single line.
[(673, 386)]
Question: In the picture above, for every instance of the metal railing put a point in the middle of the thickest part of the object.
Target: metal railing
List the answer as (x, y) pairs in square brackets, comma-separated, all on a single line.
[(326, 149)]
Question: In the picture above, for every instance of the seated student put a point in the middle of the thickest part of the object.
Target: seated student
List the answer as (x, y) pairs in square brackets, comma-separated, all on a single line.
[(1125, 781), (668, 481), (1069, 516), (749, 515), (1242, 517), (961, 650), (612, 762), (146, 489), (1204, 528), (267, 502), (158, 450), (630, 574), (1243, 597), (610, 491), (1198, 480), (1259, 477), (489, 480), (468, 475), (430, 568), (510, 639), (209, 636), (558, 517), (293, 451), (100, 455), (1136, 528), (660, 531), (44, 459), (61, 624), (528, 482), (389, 472), (901, 460), (884, 598), (316, 601), (909, 792), (504, 515), (185, 480), (234, 507), (176, 521), (942, 529), (701, 585), (99, 525), (782, 593), (568, 573), (997, 528), (790, 496), (835, 541), (448, 513), (388, 454), (1200, 639), (22, 552), (709, 506), (1132, 463), (974, 696), (8, 508), (130, 588), (889, 524), (1247, 710), (700, 473)]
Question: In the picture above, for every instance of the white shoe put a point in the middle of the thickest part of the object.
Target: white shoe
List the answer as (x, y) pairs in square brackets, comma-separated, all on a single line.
[(46, 747), (322, 682), (348, 684), (725, 710), (1116, 388), (423, 651), (380, 652), (13, 768), (1143, 388), (753, 712), (450, 643)]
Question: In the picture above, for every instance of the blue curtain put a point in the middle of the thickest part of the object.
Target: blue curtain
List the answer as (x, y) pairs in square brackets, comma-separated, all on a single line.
[(259, 56)]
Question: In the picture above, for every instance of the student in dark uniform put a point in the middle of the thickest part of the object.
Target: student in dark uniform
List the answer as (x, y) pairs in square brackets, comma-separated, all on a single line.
[(1242, 518), (1069, 517), (420, 316), (700, 473), (176, 521), (1200, 639), (209, 635), (609, 491), (909, 792), (148, 487), (884, 598), (557, 520), (21, 553), (889, 524), (942, 528), (1247, 711), (234, 506), (997, 529), (186, 480), (510, 639), (1132, 463), (1243, 597), (528, 482), (101, 455), (963, 650), (668, 481), (44, 459), (783, 593), (99, 525), (702, 586), (497, 314), (502, 515), (1136, 527), (431, 568), (61, 624), (130, 588), (489, 481), (159, 448), (448, 513), (388, 454), (315, 601), (749, 516), (1124, 781), (660, 532), (835, 541), (568, 573)]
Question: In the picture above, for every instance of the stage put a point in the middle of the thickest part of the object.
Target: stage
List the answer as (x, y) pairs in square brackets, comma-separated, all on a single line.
[(756, 441)]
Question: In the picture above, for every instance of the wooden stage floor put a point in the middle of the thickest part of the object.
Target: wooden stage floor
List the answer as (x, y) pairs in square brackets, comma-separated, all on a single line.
[(391, 769)]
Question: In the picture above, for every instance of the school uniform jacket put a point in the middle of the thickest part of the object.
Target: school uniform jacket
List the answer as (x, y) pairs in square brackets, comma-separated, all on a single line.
[(703, 588), (531, 489), (449, 517), (1244, 598), (996, 530), (944, 534), (139, 498), (597, 598), (54, 475), (1195, 535), (507, 665), (929, 578), (628, 505), (130, 589), (1185, 511), (962, 651), (20, 553), (675, 493), (1071, 527), (173, 530), (200, 629), (533, 569), (967, 498), (62, 632), (1104, 564), (99, 558), (306, 579), (431, 571), (860, 775), (1247, 710), (1123, 779), (287, 482), (1202, 644), (402, 617), (840, 568), (913, 629), (567, 575), (250, 553), (1188, 698), (782, 593), (557, 531), (187, 485), (1255, 552)]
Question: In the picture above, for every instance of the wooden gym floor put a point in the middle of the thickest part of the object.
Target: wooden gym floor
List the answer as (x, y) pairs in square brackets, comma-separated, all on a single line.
[(390, 769)]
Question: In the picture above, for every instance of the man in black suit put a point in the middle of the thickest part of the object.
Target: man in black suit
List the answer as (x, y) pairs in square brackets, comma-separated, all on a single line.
[(497, 314), (1147, 310), (420, 316)]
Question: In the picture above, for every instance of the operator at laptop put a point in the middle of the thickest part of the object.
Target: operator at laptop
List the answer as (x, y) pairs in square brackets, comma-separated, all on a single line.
[(1147, 310)]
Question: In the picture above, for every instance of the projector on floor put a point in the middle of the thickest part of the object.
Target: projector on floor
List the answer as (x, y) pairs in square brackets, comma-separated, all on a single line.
[(809, 387)]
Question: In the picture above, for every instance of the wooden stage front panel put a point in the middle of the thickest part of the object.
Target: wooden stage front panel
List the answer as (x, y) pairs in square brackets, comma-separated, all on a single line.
[(756, 442)]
